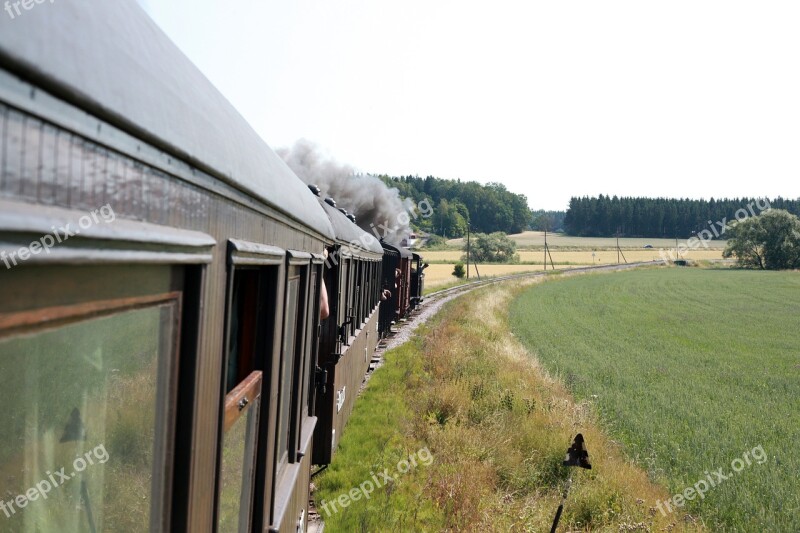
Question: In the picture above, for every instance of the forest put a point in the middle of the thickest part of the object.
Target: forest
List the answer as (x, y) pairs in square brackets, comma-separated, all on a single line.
[(606, 216), (492, 207), (487, 208)]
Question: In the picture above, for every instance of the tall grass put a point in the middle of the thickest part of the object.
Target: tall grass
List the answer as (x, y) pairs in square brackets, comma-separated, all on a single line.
[(689, 369), (497, 426)]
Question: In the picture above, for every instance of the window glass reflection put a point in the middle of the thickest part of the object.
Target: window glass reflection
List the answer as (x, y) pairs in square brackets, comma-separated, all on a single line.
[(78, 423)]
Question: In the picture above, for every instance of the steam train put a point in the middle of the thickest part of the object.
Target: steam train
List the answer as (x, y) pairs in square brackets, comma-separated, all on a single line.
[(163, 360)]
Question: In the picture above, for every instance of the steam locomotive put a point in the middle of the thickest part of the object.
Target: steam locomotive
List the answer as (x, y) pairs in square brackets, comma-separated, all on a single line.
[(163, 360)]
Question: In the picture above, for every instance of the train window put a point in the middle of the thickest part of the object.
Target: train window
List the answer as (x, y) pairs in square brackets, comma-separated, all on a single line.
[(365, 286), (365, 300), (242, 327), (376, 278), (370, 287), (237, 476), (82, 399), (296, 350), (288, 363), (344, 290), (373, 286), (312, 336), (89, 359), (250, 327), (255, 307), (352, 311), (358, 295)]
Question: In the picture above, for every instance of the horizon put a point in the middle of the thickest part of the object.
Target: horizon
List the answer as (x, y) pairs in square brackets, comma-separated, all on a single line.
[(552, 100)]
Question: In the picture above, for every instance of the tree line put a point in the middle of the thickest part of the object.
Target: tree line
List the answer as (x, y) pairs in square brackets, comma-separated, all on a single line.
[(606, 216), (486, 208), (547, 220)]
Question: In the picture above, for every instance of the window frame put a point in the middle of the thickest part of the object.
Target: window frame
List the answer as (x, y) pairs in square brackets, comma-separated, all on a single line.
[(303, 345), (237, 403), (247, 254), (136, 246)]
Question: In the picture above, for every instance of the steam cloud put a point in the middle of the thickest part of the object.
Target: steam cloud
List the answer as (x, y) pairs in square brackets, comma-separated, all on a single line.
[(373, 203)]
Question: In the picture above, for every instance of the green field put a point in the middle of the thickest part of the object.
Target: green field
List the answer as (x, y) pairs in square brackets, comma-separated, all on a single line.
[(688, 369)]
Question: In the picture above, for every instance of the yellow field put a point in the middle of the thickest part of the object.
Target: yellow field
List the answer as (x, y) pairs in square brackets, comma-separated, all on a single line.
[(566, 252), (532, 239), (441, 274), (583, 257)]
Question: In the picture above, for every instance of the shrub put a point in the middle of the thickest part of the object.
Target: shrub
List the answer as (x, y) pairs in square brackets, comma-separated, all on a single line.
[(770, 241), (495, 247)]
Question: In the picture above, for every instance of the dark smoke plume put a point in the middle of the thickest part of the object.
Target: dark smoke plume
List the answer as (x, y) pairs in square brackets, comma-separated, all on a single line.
[(377, 208)]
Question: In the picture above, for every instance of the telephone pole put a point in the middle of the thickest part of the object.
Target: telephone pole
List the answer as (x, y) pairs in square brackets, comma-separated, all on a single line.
[(467, 250)]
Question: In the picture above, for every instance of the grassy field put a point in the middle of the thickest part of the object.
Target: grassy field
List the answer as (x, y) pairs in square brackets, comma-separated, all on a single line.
[(535, 239), (565, 252), (689, 369), (466, 395), (583, 257)]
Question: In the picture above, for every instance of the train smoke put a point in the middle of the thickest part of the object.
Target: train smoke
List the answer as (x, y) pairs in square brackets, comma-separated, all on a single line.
[(373, 203)]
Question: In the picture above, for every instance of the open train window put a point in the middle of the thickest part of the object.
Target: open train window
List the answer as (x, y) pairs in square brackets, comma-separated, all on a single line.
[(93, 336), (252, 353), (252, 293)]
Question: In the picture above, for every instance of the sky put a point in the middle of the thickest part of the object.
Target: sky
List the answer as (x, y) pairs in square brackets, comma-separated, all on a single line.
[(553, 99)]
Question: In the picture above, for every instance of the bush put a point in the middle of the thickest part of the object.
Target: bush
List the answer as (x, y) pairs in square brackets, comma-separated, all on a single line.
[(770, 241), (458, 270), (495, 247), (433, 241)]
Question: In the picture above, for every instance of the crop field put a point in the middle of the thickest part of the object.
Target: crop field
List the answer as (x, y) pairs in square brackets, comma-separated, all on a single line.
[(438, 275), (534, 239), (696, 372), (579, 257)]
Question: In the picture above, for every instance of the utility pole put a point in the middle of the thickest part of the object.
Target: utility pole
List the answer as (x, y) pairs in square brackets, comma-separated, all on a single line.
[(547, 252), (545, 248), (676, 243), (468, 250)]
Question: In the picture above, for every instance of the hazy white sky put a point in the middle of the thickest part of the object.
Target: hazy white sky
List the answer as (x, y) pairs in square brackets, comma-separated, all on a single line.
[(554, 99)]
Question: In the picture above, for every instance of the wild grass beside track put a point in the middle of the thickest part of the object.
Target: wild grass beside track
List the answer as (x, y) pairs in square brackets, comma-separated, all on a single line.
[(497, 428), (688, 368)]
